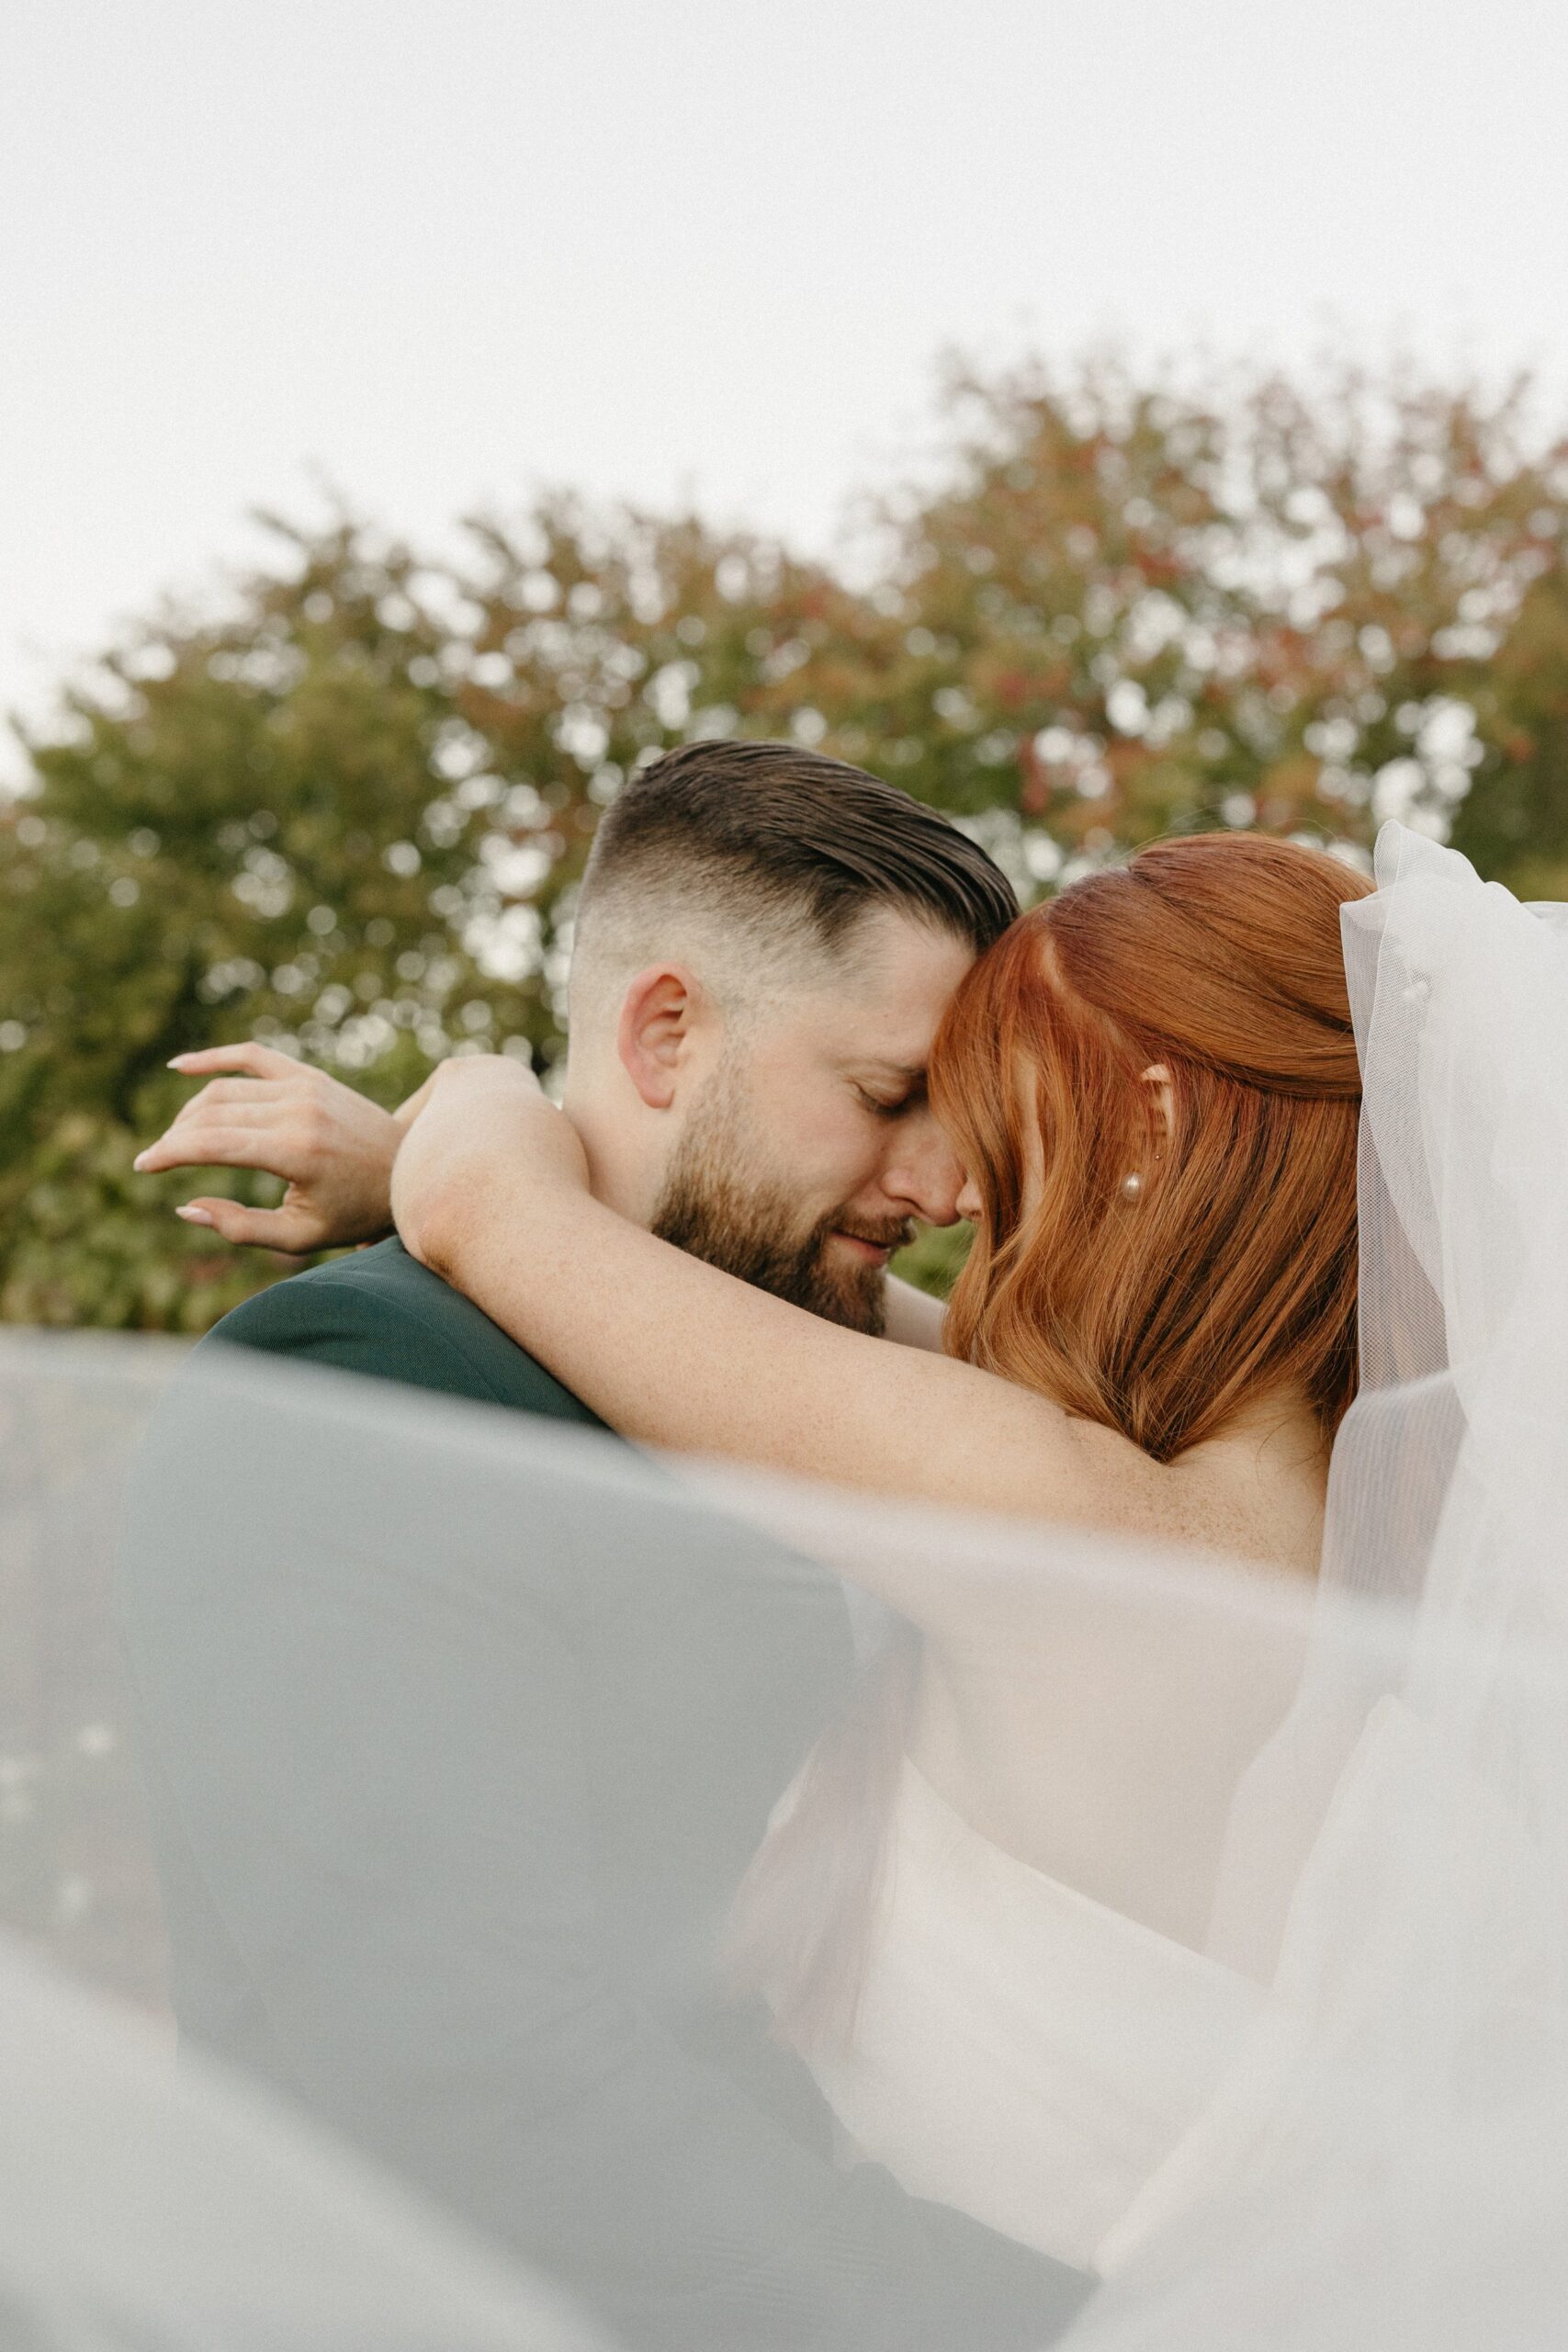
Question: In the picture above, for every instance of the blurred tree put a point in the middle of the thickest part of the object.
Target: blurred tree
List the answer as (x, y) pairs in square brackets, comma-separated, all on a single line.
[(1129, 610), (349, 814), (347, 817)]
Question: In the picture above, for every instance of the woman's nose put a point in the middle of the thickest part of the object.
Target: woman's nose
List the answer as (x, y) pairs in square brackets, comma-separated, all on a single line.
[(968, 1202)]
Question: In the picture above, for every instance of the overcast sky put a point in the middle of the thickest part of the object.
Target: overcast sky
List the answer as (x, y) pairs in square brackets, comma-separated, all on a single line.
[(442, 254)]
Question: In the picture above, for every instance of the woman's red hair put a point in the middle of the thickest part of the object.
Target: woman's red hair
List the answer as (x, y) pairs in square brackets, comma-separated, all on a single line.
[(1231, 1271), (1226, 1274)]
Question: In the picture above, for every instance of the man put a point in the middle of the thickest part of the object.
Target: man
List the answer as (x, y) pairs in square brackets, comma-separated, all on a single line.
[(766, 944)]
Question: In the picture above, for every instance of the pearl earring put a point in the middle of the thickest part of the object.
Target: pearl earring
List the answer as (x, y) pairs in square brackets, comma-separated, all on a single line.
[(1132, 1187)]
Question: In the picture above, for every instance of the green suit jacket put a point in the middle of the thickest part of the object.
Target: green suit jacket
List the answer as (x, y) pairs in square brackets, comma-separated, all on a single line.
[(443, 1831)]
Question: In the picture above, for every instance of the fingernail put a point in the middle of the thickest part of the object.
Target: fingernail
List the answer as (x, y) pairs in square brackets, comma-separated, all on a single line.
[(139, 1159), (195, 1216), (177, 1061)]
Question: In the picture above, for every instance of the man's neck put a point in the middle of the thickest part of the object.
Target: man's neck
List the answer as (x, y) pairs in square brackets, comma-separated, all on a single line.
[(615, 1175)]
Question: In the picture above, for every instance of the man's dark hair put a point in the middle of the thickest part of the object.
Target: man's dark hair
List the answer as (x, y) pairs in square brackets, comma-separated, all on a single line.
[(778, 829)]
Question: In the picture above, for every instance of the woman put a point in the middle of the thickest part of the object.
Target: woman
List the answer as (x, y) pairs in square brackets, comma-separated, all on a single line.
[(1152, 1082)]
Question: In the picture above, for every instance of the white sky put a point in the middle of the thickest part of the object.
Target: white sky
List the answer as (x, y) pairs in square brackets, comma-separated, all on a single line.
[(445, 252)]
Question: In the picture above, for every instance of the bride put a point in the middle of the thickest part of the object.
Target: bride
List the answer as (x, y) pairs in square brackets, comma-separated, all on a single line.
[(1152, 1083)]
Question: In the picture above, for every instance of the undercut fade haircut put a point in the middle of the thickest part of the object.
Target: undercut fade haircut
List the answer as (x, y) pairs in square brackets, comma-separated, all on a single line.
[(771, 835)]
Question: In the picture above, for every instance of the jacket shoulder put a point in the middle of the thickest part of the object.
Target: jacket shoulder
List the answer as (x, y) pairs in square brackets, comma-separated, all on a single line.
[(379, 1312)]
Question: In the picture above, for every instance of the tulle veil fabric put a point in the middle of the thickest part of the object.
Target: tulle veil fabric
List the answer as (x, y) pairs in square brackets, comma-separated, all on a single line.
[(176, 2208), (1383, 2164)]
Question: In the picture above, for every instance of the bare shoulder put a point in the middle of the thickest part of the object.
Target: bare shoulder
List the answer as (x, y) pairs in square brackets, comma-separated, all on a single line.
[(1251, 1495), (1254, 1494)]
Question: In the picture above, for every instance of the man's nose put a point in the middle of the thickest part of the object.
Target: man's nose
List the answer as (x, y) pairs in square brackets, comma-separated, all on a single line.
[(924, 1172)]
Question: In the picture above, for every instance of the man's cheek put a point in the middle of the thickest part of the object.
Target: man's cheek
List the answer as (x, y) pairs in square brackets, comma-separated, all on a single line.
[(826, 1164)]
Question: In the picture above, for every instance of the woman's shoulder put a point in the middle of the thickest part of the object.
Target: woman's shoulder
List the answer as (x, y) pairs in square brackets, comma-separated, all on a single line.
[(1255, 1492)]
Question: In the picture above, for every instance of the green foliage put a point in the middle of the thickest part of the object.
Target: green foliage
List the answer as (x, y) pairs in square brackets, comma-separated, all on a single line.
[(349, 815), (935, 1260), (1129, 613)]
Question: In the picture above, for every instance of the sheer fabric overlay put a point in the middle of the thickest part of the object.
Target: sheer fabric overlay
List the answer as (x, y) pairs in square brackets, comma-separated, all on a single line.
[(1246, 2000)]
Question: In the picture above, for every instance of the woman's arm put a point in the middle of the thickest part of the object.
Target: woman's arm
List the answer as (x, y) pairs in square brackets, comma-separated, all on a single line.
[(490, 1189)]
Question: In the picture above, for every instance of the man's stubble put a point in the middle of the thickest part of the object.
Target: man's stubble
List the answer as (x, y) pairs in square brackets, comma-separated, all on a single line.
[(719, 1203)]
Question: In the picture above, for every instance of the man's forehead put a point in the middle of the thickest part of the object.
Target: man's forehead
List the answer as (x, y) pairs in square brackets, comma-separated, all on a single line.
[(890, 961), (883, 1006), (876, 1001)]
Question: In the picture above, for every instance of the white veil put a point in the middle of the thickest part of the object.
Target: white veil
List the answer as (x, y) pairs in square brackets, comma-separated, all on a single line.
[(1366, 1787), (172, 2209)]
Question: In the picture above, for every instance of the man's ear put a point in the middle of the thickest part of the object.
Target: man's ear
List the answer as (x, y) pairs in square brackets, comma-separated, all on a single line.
[(659, 1013)]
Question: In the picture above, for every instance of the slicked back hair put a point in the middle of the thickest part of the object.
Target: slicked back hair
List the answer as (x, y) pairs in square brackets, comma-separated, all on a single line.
[(789, 841)]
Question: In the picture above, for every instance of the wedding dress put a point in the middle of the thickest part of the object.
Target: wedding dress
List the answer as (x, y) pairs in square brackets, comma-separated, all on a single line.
[(1021, 2050)]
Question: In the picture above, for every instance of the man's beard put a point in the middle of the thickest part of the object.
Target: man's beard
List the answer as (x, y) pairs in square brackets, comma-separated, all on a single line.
[(745, 1225)]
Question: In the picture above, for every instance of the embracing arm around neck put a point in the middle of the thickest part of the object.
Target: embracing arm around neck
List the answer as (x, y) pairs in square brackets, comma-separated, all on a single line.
[(489, 1191)]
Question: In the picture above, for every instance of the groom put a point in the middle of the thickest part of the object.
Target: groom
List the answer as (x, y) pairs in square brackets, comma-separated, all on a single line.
[(765, 943)]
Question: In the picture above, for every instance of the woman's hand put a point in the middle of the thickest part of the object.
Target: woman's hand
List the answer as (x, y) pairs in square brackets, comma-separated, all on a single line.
[(262, 1109), (480, 1118)]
